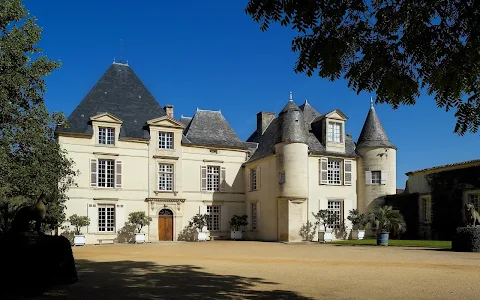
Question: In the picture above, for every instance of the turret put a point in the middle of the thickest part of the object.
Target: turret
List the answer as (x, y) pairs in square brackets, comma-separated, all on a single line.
[(291, 153), (378, 163)]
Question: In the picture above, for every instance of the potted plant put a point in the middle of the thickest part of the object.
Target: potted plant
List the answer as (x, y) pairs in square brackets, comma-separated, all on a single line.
[(78, 222), (199, 221), (359, 221), (235, 223), (324, 217), (139, 219), (385, 219)]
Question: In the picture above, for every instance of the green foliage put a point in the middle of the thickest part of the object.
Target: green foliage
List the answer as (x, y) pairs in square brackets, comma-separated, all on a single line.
[(238, 221), (307, 231), (447, 190), (407, 205), (324, 217), (78, 222), (359, 221), (126, 234), (198, 221), (393, 48), (139, 219), (466, 239), (385, 219), (31, 160), (188, 234), (398, 243), (70, 235)]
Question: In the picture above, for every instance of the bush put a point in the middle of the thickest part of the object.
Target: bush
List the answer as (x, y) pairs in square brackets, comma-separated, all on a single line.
[(78, 222), (139, 219), (126, 234), (466, 239)]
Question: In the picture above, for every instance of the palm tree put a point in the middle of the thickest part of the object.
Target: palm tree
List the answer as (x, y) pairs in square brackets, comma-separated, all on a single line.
[(385, 219)]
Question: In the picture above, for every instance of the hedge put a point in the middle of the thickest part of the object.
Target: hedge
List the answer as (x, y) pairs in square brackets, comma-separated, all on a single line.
[(466, 239)]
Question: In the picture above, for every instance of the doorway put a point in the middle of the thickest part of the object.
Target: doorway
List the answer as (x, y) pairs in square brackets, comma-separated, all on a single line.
[(165, 225)]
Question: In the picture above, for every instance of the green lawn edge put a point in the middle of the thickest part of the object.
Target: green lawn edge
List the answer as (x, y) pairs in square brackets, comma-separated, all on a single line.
[(397, 243)]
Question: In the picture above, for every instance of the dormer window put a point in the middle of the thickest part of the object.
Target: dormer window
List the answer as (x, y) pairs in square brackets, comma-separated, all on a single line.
[(165, 140), (106, 135), (334, 133)]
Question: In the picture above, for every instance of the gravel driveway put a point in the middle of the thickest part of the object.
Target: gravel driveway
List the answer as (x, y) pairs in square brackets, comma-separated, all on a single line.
[(261, 270)]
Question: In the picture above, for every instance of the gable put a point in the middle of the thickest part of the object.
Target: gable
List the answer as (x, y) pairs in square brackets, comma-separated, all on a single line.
[(336, 115), (106, 117), (166, 121)]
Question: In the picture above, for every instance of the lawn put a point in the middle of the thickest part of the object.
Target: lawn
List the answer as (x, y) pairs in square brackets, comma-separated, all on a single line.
[(399, 243)]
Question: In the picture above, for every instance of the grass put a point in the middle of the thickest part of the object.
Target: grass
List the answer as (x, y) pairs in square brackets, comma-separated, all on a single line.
[(398, 243)]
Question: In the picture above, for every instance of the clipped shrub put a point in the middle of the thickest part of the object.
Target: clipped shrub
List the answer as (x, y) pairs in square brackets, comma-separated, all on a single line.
[(466, 239)]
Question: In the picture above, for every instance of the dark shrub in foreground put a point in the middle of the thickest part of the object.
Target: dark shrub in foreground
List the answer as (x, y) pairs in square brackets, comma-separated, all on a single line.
[(466, 239)]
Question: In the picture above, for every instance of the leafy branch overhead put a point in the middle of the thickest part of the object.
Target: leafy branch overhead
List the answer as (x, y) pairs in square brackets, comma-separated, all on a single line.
[(392, 47)]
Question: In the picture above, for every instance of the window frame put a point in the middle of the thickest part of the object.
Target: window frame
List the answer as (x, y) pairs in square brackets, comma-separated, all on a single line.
[(253, 179), (331, 172), (165, 172), (211, 178), (254, 213), (108, 134), (113, 169), (332, 134), (377, 173), (99, 220), (168, 141), (332, 209), (212, 212)]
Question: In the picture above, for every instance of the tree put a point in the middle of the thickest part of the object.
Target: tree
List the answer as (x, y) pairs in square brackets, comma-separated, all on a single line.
[(139, 219), (31, 160), (392, 47), (79, 222)]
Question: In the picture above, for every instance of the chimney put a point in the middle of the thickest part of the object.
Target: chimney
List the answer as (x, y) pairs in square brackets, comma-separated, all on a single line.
[(169, 110), (263, 120)]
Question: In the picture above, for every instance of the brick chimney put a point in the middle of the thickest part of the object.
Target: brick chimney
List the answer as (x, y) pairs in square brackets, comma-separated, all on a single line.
[(263, 120), (169, 110)]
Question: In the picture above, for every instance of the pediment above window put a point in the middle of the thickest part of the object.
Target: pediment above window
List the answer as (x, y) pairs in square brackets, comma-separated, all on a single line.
[(336, 115), (166, 121), (106, 117)]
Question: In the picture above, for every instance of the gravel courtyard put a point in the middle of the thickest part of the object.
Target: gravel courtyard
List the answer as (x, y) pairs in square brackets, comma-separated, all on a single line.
[(259, 270)]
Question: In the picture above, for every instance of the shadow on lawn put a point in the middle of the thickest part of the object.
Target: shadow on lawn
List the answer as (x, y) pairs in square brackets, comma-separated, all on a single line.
[(145, 280)]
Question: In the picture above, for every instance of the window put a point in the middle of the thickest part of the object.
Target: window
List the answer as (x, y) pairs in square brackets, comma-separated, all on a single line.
[(333, 173), (106, 173), (165, 140), (334, 132), (335, 208), (253, 179), (427, 209), (106, 135), (281, 180), (213, 178), (475, 200), (376, 177), (213, 213), (165, 177), (106, 218), (254, 216)]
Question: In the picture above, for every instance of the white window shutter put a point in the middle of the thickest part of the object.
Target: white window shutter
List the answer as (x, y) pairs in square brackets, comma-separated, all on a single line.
[(92, 214), (118, 174), (203, 176), (249, 180), (383, 178), (119, 217), (259, 178), (93, 172), (347, 172), (368, 177), (223, 180), (324, 170)]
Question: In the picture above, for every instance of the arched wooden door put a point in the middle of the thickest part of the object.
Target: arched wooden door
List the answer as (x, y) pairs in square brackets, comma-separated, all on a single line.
[(165, 225)]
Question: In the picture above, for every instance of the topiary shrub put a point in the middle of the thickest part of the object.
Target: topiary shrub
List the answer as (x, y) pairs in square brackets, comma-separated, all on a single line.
[(466, 239)]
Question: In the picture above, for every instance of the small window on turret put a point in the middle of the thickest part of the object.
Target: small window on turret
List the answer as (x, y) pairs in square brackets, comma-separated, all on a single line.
[(376, 177), (281, 178)]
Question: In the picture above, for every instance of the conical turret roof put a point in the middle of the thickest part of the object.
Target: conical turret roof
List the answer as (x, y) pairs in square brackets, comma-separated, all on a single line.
[(291, 125), (373, 134)]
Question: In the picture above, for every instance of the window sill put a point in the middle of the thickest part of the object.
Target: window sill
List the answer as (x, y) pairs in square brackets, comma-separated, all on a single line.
[(165, 192), (106, 145), (106, 188)]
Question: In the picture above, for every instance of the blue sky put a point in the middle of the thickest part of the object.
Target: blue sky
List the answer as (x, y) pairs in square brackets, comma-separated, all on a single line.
[(211, 55)]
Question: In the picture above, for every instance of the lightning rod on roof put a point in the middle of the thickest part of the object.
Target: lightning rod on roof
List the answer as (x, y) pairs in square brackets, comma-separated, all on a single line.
[(291, 97), (371, 101), (121, 46)]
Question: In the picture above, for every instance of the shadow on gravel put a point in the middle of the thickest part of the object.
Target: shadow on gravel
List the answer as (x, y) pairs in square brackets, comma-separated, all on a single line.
[(145, 280)]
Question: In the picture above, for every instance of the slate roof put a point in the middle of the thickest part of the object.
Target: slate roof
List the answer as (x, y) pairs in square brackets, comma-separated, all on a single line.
[(373, 134), (121, 93), (266, 142), (458, 165), (291, 125), (211, 128)]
